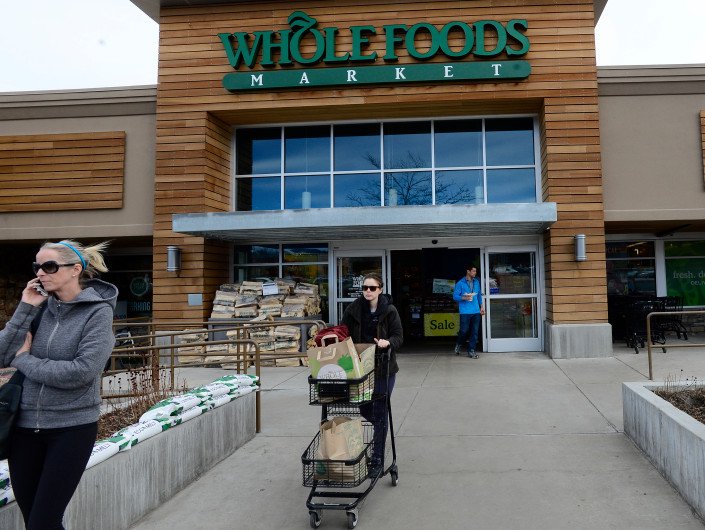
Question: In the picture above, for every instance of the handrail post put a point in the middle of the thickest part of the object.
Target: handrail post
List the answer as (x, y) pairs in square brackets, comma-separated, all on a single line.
[(648, 345), (258, 409)]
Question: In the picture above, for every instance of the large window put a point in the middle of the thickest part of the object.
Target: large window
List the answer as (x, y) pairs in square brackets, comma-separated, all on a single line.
[(631, 268), (685, 271), (301, 262), (468, 161)]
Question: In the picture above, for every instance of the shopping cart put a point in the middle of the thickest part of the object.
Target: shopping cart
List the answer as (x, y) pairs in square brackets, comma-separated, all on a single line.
[(325, 477)]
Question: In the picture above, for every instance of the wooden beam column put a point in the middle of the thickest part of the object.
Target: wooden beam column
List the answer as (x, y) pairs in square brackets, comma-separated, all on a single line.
[(192, 176)]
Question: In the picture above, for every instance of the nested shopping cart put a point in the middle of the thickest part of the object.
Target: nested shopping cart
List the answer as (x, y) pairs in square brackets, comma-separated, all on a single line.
[(332, 481)]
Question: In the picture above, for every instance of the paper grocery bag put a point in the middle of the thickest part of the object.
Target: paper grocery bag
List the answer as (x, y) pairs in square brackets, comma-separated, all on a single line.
[(341, 438), (335, 361)]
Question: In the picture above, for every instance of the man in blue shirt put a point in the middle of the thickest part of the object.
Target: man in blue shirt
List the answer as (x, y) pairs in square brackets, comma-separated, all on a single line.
[(467, 294)]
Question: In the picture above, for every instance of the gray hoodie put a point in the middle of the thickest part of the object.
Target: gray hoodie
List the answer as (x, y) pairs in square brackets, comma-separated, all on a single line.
[(69, 351)]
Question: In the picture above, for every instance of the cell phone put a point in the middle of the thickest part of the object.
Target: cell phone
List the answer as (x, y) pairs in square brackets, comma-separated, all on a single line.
[(40, 289)]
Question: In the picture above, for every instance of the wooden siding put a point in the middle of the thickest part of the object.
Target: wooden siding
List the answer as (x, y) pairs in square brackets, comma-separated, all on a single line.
[(702, 138), (193, 163), (53, 172)]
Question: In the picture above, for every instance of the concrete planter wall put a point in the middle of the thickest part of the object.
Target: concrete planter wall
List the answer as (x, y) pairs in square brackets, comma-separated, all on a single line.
[(118, 492), (673, 440)]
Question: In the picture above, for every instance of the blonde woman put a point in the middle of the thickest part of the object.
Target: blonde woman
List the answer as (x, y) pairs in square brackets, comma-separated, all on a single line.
[(57, 423)]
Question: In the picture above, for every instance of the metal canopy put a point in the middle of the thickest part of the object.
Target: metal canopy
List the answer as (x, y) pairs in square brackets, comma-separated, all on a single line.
[(373, 222)]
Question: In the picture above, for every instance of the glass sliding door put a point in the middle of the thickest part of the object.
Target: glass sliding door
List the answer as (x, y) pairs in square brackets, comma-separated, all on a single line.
[(351, 267), (512, 299)]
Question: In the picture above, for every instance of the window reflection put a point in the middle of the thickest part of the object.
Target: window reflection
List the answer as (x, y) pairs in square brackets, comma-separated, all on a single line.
[(358, 189), (407, 145), (514, 318), (356, 147), (510, 142), (256, 254), (262, 193), (258, 151), (458, 143), (303, 252), (403, 177), (307, 149), (459, 187), (407, 187), (511, 185), (512, 273), (296, 188)]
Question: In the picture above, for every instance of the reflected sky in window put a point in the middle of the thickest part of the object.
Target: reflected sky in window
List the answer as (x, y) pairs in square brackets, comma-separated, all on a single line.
[(258, 151), (511, 185), (407, 145), (459, 187), (357, 147), (307, 149), (409, 187), (317, 186), (510, 142), (357, 189), (262, 193), (458, 143)]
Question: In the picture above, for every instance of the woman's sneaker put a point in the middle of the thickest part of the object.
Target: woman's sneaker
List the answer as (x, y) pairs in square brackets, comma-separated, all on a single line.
[(457, 349)]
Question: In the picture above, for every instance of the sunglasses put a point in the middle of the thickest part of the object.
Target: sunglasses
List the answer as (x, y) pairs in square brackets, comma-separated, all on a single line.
[(372, 288), (50, 267)]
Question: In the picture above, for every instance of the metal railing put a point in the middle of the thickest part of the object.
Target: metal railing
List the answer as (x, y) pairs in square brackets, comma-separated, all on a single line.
[(650, 343), (242, 351)]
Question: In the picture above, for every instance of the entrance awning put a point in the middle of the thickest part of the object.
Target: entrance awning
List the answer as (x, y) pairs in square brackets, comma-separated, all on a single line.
[(373, 222)]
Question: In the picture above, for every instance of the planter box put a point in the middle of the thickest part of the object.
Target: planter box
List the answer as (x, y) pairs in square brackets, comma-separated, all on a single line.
[(673, 440), (118, 492)]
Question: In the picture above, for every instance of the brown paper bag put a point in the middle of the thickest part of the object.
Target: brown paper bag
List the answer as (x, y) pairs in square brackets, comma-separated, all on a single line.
[(335, 361), (341, 439)]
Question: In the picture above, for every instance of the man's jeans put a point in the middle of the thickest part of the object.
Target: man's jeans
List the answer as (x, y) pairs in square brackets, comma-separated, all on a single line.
[(469, 328)]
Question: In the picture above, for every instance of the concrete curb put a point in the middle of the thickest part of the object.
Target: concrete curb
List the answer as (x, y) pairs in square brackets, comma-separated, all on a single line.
[(673, 440), (118, 492)]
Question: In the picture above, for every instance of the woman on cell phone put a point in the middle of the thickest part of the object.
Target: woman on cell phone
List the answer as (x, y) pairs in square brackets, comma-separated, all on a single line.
[(57, 424), (373, 319)]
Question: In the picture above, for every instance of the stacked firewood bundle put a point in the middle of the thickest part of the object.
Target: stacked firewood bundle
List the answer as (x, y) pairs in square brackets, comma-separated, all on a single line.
[(191, 354), (284, 298)]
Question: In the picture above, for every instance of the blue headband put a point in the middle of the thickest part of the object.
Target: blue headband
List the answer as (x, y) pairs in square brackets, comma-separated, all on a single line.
[(83, 262)]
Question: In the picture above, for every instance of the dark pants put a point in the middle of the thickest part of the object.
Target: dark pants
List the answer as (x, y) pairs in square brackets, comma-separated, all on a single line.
[(378, 415), (469, 328), (45, 469)]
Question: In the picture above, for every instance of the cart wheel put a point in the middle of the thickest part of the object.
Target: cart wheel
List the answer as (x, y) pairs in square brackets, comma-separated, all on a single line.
[(352, 520), (394, 473), (314, 518)]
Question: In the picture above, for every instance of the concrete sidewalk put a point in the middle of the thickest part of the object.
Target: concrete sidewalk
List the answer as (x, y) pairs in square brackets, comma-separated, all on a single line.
[(506, 441)]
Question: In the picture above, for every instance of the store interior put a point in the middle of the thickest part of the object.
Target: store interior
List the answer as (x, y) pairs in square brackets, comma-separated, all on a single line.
[(422, 283)]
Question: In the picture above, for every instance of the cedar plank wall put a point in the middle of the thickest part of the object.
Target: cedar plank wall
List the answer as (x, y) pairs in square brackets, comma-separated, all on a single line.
[(48, 172), (562, 89), (702, 137)]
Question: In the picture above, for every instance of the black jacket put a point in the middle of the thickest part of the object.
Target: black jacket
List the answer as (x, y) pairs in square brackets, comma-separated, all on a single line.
[(388, 327)]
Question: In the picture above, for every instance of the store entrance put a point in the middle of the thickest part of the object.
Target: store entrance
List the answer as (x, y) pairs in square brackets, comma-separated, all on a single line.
[(422, 283)]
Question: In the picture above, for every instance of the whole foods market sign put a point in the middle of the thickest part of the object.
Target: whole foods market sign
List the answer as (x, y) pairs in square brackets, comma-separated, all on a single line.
[(303, 44)]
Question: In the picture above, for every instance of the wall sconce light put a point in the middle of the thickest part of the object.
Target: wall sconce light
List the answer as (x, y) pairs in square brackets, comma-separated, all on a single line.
[(173, 259), (580, 252)]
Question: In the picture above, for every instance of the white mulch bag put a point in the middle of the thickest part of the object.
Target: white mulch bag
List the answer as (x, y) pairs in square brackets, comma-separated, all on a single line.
[(6, 495), (102, 450), (188, 415), (243, 390), (171, 407), (4, 473), (211, 390), (139, 432), (219, 401), (239, 379)]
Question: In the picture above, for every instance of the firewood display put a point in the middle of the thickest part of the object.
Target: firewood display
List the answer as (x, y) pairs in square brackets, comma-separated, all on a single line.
[(186, 352), (246, 300), (216, 353)]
